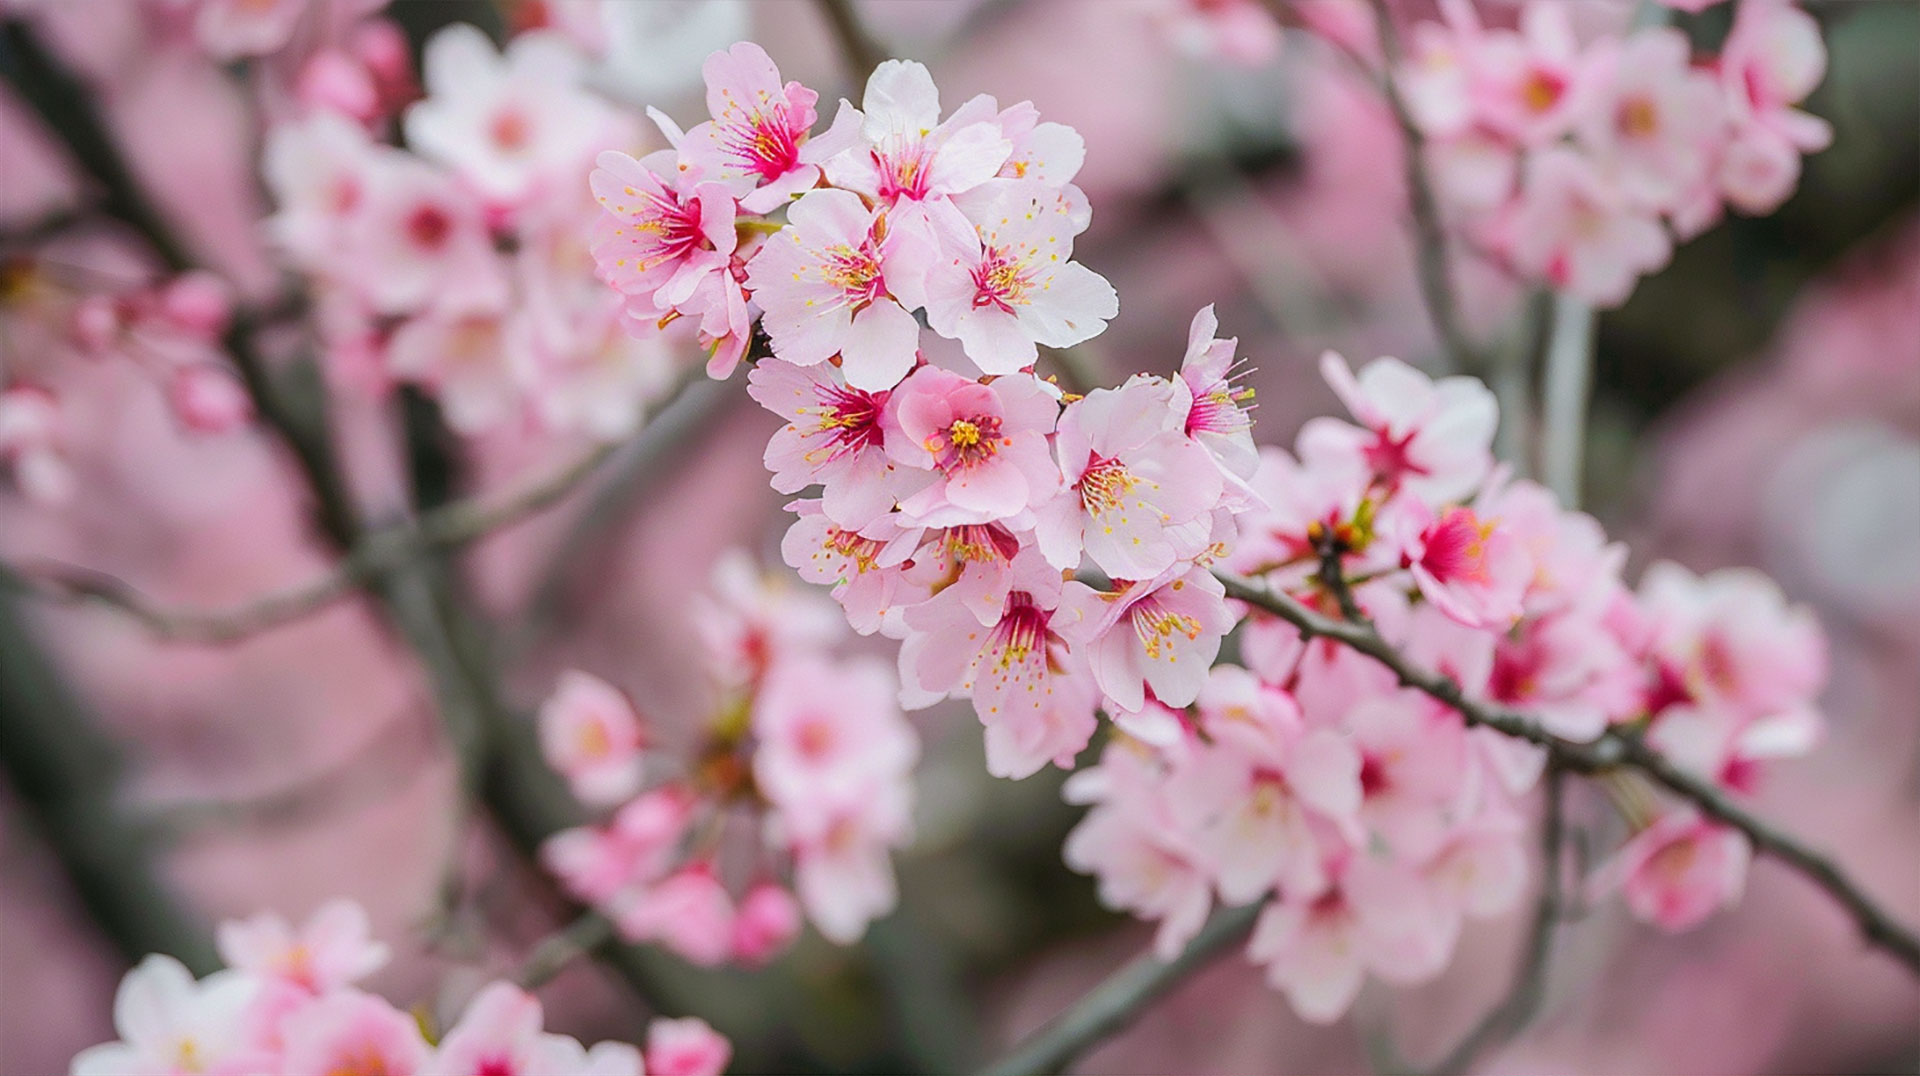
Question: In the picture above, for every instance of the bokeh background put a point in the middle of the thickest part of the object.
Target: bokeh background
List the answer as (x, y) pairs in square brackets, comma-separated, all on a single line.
[(1757, 403)]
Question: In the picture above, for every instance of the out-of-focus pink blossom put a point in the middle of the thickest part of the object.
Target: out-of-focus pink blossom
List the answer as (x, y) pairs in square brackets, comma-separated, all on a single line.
[(686, 1047), (590, 734), (1679, 870), (333, 948), (169, 1023)]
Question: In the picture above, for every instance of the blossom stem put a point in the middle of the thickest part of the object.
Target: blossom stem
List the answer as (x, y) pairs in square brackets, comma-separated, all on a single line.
[(1120, 998), (1614, 750), (557, 950), (1568, 384), (1436, 277)]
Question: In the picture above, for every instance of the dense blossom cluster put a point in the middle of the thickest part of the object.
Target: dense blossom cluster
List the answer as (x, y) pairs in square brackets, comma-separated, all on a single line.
[(287, 1003), (1049, 555), (1577, 163), (459, 263), (803, 770)]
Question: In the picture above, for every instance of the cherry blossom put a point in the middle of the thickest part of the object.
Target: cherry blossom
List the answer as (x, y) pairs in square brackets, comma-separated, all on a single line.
[(347, 1031), (757, 142), (167, 1022), (987, 442), (1161, 633), (1011, 286), (331, 949), (1137, 491), (835, 437), (1679, 870), (31, 444), (590, 734), (822, 283), (1431, 437)]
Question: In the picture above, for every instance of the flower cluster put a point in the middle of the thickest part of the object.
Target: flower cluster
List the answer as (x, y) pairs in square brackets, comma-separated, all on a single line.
[(287, 1003), (806, 763), (457, 264), (1369, 817), (1577, 163), (892, 209)]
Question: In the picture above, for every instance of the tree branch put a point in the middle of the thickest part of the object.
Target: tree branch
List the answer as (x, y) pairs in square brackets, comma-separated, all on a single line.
[(1120, 999), (1568, 384), (1436, 276), (374, 555), (861, 52), (1529, 985), (554, 952), (1614, 749)]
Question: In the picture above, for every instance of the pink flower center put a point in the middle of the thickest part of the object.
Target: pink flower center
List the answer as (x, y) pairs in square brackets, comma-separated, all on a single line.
[(1456, 547), (1541, 90), (850, 419), (904, 170), (814, 738), (1022, 630), (674, 225), (428, 226), (1374, 778), (1103, 486), (1638, 118), (1390, 459), (1001, 280), (510, 130), (855, 547), (978, 542), (1157, 627), (767, 146), (855, 271)]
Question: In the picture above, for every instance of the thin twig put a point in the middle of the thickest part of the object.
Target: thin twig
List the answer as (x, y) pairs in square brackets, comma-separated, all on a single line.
[(1529, 985), (554, 952), (1436, 276), (858, 47), (1614, 749), (1120, 999), (1567, 386)]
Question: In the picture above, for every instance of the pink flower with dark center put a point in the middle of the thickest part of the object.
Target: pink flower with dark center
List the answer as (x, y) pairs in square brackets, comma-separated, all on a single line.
[(1431, 438), (835, 437), (757, 143), (1679, 870), (1162, 634), (658, 245)]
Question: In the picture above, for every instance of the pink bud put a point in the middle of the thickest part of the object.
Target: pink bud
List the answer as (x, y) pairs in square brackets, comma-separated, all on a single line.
[(198, 303), (689, 912), (769, 920), (97, 323), (332, 82), (381, 47), (686, 1047), (208, 399)]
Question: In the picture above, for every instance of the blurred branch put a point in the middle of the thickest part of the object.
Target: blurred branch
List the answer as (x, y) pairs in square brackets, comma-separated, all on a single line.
[(554, 952), (1568, 385), (374, 555), (379, 766), (64, 771), (1436, 277), (1613, 750), (857, 47), (1514, 1012), (1121, 998)]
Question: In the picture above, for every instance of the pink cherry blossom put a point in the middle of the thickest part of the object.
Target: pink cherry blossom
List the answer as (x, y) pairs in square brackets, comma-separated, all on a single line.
[(987, 442), (1010, 285), (872, 593), (767, 923), (822, 282), (333, 948), (1731, 748), (1730, 638), (750, 621), (513, 125), (1219, 414), (636, 847), (834, 438), (758, 137), (841, 869), (1375, 917), (1576, 229), (821, 728), (1659, 123), (1161, 633), (234, 29), (1568, 672), (319, 171), (1144, 862), (659, 245), (1033, 693), (1267, 801), (170, 1024), (1413, 767), (347, 1031), (688, 912), (209, 399), (1431, 438), (1531, 85), (420, 240), (590, 735), (501, 1034), (1679, 870), (1138, 492), (467, 360), (905, 155), (30, 444), (1474, 569), (686, 1047)]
